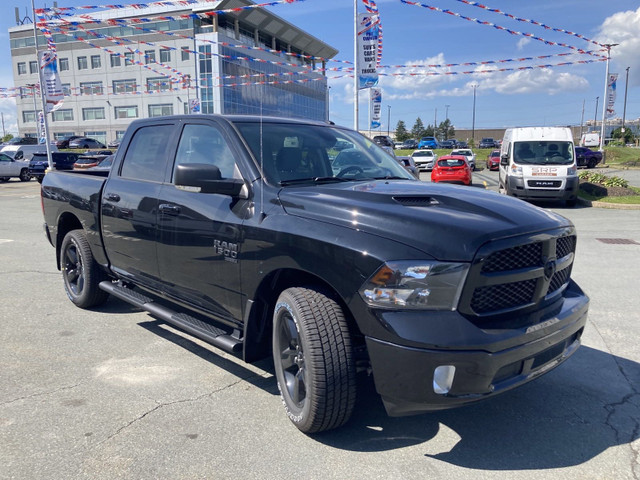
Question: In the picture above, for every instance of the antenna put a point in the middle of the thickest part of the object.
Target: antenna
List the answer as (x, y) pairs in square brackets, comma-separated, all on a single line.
[(17, 16)]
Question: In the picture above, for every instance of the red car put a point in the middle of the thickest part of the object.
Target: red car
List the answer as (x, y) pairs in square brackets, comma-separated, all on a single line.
[(451, 169), (493, 160)]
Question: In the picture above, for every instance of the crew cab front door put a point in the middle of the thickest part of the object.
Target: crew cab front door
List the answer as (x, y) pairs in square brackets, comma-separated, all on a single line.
[(200, 234)]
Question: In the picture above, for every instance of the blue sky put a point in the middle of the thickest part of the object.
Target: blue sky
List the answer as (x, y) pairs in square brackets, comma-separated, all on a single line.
[(414, 35)]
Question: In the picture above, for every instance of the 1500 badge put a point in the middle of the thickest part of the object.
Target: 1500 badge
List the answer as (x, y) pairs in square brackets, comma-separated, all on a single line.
[(227, 249)]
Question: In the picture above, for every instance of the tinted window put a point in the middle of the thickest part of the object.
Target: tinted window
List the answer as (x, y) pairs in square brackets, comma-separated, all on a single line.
[(146, 155), (205, 144), (451, 162)]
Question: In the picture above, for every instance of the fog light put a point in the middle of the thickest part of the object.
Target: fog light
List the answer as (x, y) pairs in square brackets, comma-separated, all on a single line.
[(443, 379)]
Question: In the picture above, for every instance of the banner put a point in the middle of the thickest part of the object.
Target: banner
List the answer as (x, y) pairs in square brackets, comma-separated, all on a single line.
[(611, 94), (50, 79), (375, 107), (367, 50), (42, 133)]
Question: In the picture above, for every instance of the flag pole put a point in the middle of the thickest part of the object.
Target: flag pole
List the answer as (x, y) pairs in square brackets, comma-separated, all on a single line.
[(605, 105), (42, 93), (355, 65)]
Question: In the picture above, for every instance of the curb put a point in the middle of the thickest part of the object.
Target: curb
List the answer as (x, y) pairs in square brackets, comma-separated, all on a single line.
[(611, 206)]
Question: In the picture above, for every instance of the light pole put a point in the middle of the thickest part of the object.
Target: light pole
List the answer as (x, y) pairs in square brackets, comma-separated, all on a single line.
[(388, 119), (605, 100), (473, 123), (595, 117), (624, 111)]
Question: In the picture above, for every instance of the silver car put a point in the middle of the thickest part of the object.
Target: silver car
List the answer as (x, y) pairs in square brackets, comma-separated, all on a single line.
[(13, 168), (424, 159), (468, 154)]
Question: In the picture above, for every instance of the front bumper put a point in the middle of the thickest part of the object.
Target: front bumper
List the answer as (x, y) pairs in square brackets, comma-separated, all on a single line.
[(493, 362), (517, 187)]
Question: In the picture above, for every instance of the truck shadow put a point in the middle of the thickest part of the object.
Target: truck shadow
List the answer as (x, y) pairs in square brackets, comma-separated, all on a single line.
[(565, 418)]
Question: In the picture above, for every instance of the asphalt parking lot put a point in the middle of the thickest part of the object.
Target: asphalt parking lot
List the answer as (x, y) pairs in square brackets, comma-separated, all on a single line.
[(114, 393)]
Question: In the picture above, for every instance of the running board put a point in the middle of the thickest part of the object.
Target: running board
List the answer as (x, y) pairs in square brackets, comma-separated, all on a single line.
[(207, 332)]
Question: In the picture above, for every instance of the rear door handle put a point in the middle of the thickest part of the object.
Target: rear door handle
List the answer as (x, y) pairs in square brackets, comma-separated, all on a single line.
[(112, 197), (169, 209)]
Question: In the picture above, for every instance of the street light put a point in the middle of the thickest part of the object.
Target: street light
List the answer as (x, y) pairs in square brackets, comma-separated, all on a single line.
[(473, 123), (388, 119), (595, 117), (624, 112)]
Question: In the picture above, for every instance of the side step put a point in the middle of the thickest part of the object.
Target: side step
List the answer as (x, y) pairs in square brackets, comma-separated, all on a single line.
[(207, 332)]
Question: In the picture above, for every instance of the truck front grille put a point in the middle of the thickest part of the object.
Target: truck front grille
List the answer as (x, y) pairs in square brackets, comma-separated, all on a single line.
[(518, 274)]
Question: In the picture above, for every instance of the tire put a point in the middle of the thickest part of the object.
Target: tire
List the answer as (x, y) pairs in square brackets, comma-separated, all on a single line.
[(571, 203), (80, 272), (4, 179), (313, 359), (24, 175)]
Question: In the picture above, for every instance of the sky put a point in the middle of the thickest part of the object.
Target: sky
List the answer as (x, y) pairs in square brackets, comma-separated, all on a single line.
[(414, 36)]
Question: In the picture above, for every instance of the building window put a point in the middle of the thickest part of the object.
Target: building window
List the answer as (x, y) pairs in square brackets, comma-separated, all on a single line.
[(128, 58), (185, 108), (33, 67), (96, 113), (158, 84), (126, 112), (91, 88), (82, 63), (29, 116), (66, 89), (95, 61), (61, 135), (100, 136), (165, 55), (124, 86), (160, 110), (120, 134), (149, 56), (64, 64), (184, 54), (115, 60), (22, 68), (62, 115)]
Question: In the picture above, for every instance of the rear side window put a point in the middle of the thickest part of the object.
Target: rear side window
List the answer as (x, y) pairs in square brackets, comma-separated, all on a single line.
[(146, 156)]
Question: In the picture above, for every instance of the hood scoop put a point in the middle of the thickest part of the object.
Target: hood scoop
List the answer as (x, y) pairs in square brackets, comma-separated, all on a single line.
[(415, 200)]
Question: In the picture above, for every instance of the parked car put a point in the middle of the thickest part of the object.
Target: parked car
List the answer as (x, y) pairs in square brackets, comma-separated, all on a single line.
[(428, 142), (410, 144), (468, 154), (451, 169), (104, 165), (487, 143), (61, 161), (424, 159), (448, 144), (462, 144), (23, 141), (86, 142), (493, 160), (91, 158), (13, 168), (585, 157), (384, 141), (409, 165), (64, 141), (113, 144), (25, 152)]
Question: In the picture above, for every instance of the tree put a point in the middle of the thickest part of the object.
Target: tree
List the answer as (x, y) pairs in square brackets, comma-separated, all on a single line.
[(401, 132), (445, 130), (417, 131), (6, 138), (429, 131), (626, 137)]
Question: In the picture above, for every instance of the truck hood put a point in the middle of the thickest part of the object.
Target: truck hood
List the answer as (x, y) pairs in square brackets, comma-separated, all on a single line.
[(445, 222)]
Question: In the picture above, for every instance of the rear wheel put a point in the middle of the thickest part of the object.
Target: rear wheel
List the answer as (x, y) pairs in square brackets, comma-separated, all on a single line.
[(80, 272), (313, 359), (24, 175)]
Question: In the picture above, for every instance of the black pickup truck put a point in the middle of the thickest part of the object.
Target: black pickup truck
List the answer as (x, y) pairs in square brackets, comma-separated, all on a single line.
[(260, 237)]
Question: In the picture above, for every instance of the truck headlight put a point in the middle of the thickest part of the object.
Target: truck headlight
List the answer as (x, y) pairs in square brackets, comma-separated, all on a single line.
[(516, 170), (428, 285), (572, 170)]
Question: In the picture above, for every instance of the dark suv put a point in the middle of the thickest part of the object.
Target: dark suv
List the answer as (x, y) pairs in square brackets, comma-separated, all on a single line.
[(384, 141), (487, 143), (61, 161)]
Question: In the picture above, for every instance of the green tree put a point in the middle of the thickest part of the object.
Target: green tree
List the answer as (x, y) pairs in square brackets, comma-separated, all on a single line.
[(417, 131), (401, 132), (6, 138), (626, 137), (429, 131), (445, 130)]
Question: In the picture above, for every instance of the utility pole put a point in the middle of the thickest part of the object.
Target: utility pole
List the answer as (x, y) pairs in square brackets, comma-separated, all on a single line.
[(473, 123), (4, 132), (582, 119), (388, 119), (595, 117), (624, 111)]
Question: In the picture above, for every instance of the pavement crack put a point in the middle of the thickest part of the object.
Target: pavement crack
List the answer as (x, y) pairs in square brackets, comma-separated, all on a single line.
[(41, 394)]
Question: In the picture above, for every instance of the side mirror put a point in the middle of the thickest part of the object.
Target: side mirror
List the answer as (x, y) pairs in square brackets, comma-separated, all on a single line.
[(207, 178), (504, 159)]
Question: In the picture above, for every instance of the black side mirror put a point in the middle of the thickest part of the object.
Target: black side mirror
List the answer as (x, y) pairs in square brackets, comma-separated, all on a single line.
[(504, 159), (207, 178)]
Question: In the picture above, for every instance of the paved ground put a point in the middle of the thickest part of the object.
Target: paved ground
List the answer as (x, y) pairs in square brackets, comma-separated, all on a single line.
[(113, 393)]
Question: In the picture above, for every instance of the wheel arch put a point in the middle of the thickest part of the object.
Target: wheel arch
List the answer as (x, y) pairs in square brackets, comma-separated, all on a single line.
[(66, 223), (259, 311)]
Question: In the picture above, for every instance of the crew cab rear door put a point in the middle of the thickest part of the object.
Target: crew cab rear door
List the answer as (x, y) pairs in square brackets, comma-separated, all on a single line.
[(130, 202), (200, 234)]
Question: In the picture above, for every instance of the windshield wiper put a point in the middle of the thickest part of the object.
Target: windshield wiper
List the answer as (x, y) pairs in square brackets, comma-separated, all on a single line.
[(313, 180), (391, 177)]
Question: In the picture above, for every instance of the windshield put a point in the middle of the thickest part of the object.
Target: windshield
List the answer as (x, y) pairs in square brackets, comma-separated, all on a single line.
[(422, 153), (289, 154), (543, 153)]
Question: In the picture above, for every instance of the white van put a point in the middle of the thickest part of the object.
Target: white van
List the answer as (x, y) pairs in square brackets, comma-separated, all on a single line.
[(539, 163), (591, 139), (25, 152)]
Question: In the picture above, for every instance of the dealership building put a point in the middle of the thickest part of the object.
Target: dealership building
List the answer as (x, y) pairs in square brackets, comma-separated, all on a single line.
[(130, 63)]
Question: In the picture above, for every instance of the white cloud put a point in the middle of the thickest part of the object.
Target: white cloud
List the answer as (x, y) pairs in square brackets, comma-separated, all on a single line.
[(523, 42), (623, 28), (8, 109)]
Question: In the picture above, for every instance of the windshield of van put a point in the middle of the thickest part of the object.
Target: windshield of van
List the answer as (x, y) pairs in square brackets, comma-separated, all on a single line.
[(543, 153), (299, 154)]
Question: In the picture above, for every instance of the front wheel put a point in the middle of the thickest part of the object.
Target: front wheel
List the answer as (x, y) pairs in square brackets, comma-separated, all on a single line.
[(24, 175), (313, 359), (80, 272)]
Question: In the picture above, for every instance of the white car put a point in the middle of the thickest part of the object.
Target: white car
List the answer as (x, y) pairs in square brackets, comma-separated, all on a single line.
[(13, 168), (468, 154), (424, 159)]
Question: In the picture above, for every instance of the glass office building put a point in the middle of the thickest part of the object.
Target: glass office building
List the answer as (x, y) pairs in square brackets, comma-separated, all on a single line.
[(248, 62)]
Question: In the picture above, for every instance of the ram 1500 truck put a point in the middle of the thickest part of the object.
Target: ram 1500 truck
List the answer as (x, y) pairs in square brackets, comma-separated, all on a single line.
[(261, 237)]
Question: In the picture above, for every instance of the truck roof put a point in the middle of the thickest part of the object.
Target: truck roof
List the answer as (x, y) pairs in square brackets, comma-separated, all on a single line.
[(538, 133)]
